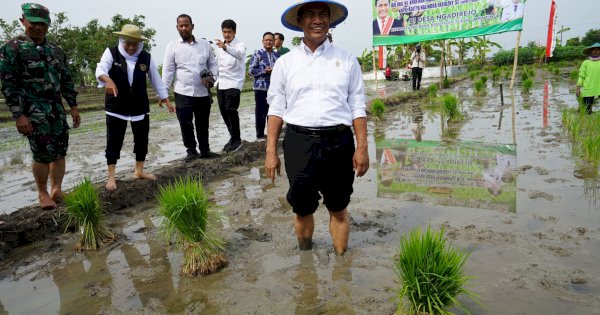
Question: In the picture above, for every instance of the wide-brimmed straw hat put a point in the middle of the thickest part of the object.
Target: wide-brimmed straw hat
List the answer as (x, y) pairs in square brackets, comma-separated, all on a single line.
[(337, 14), (131, 32), (588, 50)]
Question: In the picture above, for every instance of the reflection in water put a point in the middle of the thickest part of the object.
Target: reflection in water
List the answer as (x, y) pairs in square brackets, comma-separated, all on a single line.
[(306, 277), (545, 107), (341, 275), (416, 126), (90, 276)]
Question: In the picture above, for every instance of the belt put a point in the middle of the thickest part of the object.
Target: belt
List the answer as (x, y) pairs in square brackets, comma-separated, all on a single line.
[(318, 131)]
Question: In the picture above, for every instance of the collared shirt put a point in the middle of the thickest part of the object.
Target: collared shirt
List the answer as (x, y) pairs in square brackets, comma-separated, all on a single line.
[(232, 65), (418, 60), (282, 50), (262, 59), (184, 62), (589, 78), (106, 62), (319, 89)]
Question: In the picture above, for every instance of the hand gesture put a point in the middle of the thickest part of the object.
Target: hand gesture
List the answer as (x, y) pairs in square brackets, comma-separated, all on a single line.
[(111, 88), (272, 165), (170, 107), (75, 116), (24, 125)]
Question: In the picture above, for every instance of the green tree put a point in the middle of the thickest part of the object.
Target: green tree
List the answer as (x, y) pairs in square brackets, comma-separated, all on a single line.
[(575, 41), (9, 30), (296, 41), (481, 47), (592, 36)]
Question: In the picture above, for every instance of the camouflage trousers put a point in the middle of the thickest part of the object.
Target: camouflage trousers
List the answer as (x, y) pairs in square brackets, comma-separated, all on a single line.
[(50, 138)]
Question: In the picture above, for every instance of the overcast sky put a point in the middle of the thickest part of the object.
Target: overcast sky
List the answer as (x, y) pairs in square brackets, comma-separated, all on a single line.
[(255, 17)]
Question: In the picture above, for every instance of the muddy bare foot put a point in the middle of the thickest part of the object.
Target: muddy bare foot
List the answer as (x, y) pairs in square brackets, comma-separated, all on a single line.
[(305, 243), (144, 176), (46, 202), (57, 196), (111, 184)]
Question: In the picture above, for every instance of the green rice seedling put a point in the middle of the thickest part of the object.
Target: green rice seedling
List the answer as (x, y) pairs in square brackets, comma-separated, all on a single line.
[(527, 85), (190, 222), (377, 107), (473, 75), (556, 71), (483, 79), (574, 75), (84, 209), (450, 108), (524, 75), (432, 90), (496, 74), (430, 274), (479, 87), (446, 83)]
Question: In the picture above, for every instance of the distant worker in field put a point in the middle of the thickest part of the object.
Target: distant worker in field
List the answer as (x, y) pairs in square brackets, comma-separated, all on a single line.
[(123, 70), (317, 89), (191, 64), (35, 76), (260, 67), (278, 44), (417, 62), (588, 84)]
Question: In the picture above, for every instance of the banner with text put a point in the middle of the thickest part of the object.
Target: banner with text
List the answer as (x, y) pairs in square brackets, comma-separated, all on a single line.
[(472, 175), (408, 21)]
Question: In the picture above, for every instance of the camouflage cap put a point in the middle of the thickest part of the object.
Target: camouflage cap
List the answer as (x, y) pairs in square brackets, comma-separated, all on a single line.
[(34, 12)]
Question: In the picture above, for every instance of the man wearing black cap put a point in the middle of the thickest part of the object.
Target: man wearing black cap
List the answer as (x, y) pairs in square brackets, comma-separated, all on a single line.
[(317, 89), (34, 77), (417, 61)]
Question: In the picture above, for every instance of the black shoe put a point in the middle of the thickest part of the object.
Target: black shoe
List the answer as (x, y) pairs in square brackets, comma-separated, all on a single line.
[(227, 145), (191, 156), (208, 155), (235, 145)]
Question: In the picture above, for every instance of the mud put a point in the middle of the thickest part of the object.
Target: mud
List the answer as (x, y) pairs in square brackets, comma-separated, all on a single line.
[(542, 259)]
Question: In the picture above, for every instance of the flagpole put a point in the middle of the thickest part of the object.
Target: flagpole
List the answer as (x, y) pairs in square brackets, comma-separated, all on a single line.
[(514, 72)]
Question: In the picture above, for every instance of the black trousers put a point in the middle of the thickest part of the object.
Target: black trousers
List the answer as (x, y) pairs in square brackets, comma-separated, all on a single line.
[(260, 112), (115, 133), (588, 101), (192, 110), (417, 73), (229, 102)]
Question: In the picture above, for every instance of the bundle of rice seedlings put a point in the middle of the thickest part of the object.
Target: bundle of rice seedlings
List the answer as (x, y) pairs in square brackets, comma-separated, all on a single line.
[(189, 223), (430, 274), (432, 90), (527, 84), (479, 87), (483, 78), (85, 211), (450, 108), (377, 107)]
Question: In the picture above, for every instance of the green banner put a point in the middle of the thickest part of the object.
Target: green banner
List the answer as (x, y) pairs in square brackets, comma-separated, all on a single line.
[(408, 21), (470, 174)]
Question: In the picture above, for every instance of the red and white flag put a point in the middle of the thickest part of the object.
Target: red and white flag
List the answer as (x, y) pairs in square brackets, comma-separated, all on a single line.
[(382, 56), (550, 42)]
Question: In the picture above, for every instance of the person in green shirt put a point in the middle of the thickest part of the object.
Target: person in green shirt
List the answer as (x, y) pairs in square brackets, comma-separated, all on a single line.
[(588, 84), (278, 44)]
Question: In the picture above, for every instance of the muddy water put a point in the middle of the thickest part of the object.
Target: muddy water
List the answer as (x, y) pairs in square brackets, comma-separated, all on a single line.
[(540, 260)]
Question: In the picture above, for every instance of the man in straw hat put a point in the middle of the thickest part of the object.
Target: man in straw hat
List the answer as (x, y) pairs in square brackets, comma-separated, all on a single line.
[(588, 84), (34, 75), (122, 70), (317, 89)]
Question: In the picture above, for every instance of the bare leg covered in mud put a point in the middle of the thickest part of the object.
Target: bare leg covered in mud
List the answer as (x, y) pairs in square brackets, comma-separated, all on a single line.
[(111, 182), (40, 173), (339, 227), (304, 226), (139, 172), (57, 173)]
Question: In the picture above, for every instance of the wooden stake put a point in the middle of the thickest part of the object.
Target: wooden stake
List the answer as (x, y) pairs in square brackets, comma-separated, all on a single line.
[(442, 65), (512, 80), (375, 68)]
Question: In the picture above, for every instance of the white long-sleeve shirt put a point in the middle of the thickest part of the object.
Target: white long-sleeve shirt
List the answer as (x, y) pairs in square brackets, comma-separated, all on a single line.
[(319, 89), (232, 65), (183, 64)]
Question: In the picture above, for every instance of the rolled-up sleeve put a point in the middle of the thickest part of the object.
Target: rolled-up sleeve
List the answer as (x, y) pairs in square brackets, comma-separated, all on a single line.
[(276, 93), (103, 66), (356, 91), (157, 82), (168, 70)]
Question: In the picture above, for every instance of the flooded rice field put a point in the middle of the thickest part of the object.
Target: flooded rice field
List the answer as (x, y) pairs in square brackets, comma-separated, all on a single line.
[(541, 258)]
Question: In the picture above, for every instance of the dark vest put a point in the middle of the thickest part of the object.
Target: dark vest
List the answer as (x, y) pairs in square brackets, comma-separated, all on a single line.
[(131, 100)]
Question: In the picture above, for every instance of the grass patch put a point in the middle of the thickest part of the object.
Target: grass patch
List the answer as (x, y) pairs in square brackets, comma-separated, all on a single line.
[(583, 135), (430, 274), (85, 211), (574, 75), (189, 222)]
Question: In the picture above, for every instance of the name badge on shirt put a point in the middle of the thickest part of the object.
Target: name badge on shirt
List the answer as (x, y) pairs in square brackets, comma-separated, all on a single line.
[(143, 67)]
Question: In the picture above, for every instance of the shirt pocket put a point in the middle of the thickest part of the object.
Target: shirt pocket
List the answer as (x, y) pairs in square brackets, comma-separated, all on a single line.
[(34, 69)]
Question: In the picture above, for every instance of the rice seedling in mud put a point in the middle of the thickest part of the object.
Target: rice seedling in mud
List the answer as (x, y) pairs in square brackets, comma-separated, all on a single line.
[(574, 75), (524, 75), (483, 79), (430, 274), (432, 91), (473, 75), (377, 107), (450, 108), (527, 84), (582, 130), (479, 87), (496, 74), (84, 209), (189, 221)]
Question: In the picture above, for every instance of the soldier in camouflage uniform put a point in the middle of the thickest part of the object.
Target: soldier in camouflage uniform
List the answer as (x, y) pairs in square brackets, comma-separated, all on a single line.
[(34, 77)]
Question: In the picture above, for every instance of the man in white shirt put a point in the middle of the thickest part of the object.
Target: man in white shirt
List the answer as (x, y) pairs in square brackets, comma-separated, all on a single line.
[(317, 89), (417, 63), (511, 10), (231, 56), (186, 62)]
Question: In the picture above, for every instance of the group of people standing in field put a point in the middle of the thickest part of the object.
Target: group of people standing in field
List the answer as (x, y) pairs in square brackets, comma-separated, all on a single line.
[(316, 88)]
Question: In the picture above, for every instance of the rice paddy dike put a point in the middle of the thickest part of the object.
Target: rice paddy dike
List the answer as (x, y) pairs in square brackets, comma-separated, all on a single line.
[(540, 259)]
